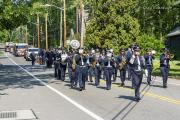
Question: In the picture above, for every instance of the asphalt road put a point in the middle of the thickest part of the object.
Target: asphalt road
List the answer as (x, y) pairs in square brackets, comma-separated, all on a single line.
[(25, 87)]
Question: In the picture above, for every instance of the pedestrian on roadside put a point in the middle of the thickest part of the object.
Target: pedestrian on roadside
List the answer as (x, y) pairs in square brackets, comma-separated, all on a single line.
[(33, 58)]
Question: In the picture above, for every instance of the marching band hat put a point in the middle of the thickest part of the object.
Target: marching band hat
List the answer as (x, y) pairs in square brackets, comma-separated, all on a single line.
[(122, 50), (136, 49), (97, 50), (165, 50), (111, 50)]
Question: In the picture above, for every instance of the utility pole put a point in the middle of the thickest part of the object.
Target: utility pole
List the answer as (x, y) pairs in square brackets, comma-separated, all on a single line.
[(46, 19), (77, 19), (26, 35), (33, 41), (38, 31), (65, 41), (82, 23), (61, 19)]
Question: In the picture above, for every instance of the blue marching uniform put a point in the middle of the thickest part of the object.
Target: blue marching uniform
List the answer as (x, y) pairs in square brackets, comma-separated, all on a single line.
[(62, 67), (72, 69), (137, 66), (56, 64), (82, 70), (149, 66), (91, 68), (115, 70), (98, 70), (108, 71), (121, 59), (164, 66), (128, 56)]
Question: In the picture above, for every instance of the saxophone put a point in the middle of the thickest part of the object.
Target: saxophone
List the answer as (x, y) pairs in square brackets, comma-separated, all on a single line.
[(123, 63), (94, 63), (73, 64)]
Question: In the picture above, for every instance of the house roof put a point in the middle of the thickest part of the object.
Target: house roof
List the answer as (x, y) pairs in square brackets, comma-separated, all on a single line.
[(174, 32)]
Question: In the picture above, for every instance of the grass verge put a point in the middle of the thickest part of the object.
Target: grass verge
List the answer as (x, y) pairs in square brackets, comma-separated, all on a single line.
[(174, 71)]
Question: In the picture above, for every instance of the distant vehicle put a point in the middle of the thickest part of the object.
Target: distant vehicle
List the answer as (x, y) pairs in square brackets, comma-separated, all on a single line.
[(19, 49), (11, 47), (8, 46), (29, 51)]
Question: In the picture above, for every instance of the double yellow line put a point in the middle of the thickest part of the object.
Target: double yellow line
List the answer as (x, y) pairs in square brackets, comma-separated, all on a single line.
[(153, 95)]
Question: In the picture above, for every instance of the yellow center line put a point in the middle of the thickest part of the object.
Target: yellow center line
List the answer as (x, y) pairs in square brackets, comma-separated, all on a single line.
[(149, 94)]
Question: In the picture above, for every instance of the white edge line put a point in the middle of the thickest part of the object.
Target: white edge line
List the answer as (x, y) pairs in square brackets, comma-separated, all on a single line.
[(82, 108)]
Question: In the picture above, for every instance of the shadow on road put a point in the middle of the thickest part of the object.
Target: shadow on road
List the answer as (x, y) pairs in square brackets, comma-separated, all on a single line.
[(13, 77), (127, 97)]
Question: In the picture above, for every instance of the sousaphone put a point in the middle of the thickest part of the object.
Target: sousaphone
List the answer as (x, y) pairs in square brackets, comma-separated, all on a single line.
[(75, 44)]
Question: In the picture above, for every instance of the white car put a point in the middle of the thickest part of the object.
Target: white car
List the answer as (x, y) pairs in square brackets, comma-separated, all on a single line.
[(29, 51)]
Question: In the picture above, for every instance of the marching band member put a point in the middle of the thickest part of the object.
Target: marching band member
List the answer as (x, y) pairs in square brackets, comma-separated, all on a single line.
[(98, 67), (103, 54), (121, 62), (49, 58), (129, 53), (115, 66), (149, 64), (164, 66), (90, 62), (137, 65), (56, 63), (108, 69), (63, 64), (82, 63), (72, 68)]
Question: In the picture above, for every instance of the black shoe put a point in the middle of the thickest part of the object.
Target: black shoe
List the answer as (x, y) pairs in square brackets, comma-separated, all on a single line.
[(137, 99), (149, 83), (164, 86), (108, 89), (114, 80), (80, 89), (122, 84), (97, 86), (71, 86)]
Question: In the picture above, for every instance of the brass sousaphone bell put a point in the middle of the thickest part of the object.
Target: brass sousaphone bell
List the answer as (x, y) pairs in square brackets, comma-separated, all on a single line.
[(75, 44)]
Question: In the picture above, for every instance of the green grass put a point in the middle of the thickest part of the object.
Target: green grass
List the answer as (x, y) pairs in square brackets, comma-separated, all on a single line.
[(1, 53), (174, 69)]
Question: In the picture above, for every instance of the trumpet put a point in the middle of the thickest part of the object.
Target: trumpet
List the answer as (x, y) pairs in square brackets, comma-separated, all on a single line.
[(170, 56)]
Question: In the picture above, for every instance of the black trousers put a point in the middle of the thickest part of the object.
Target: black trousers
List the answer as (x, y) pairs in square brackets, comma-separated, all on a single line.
[(97, 75), (123, 75), (164, 73), (108, 71), (149, 69), (137, 80), (82, 76)]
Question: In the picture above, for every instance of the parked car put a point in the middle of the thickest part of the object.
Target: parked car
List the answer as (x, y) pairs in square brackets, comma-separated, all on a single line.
[(29, 51)]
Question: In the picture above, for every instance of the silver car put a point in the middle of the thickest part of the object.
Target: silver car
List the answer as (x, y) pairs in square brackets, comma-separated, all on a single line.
[(29, 51)]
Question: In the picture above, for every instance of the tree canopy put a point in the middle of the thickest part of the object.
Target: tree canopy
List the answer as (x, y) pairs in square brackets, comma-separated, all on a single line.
[(111, 23)]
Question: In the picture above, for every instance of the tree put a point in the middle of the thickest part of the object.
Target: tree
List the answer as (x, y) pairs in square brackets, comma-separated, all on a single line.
[(13, 14), (113, 25)]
